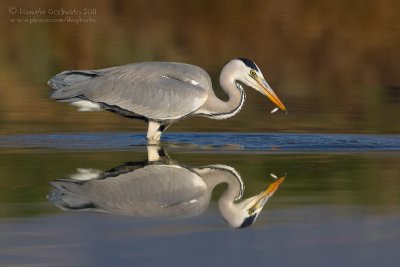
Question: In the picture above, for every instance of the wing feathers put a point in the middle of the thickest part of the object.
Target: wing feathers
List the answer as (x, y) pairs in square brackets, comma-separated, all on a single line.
[(158, 91)]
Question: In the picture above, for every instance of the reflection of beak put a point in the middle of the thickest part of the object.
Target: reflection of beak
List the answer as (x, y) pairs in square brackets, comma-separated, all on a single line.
[(265, 89), (264, 196)]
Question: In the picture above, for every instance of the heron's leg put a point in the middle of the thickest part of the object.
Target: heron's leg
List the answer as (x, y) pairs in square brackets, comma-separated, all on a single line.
[(157, 153), (153, 132), (153, 153)]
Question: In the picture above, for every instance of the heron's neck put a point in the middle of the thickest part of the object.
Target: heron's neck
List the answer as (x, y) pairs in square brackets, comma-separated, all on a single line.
[(216, 174), (216, 108), (227, 202)]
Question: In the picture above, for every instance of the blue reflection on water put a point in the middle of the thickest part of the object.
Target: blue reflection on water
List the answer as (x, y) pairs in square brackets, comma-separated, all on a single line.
[(222, 141)]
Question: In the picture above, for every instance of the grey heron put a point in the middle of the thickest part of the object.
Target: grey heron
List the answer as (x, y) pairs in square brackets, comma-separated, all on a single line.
[(157, 189), (160, 92)]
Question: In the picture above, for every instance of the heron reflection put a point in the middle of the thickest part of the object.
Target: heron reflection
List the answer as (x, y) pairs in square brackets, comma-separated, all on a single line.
[(160, 187)]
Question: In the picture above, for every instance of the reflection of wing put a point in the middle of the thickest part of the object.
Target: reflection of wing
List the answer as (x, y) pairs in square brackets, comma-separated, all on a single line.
[(151, 191), (141, 88)]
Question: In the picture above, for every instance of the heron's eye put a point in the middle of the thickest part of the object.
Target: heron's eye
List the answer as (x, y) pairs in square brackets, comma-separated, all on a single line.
[(251, 211), (252, 73)]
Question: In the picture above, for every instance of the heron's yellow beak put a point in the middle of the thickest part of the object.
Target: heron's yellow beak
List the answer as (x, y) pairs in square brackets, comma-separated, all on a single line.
[(265, 89), (264, 196)]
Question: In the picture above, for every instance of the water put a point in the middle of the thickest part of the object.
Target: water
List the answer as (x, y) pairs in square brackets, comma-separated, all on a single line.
[(210, 141), (341, 200)]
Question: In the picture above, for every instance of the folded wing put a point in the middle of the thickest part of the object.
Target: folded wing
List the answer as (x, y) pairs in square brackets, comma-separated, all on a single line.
[(155, 90)]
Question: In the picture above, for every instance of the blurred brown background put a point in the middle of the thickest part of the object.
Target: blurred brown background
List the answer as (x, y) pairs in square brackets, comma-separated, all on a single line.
[(333, 63)]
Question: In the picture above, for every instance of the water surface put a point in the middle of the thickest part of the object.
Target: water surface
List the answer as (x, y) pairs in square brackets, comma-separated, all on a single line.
[(337, 202), (211, 141)]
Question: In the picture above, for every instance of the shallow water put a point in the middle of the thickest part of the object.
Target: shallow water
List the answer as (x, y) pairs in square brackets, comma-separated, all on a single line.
[(341, 199), (209, 141)]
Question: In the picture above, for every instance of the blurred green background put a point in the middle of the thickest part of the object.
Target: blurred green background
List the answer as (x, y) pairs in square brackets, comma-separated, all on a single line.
[(333, 63)]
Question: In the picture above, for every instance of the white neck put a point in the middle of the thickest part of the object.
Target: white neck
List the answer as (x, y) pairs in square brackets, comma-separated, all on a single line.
[(216, 174), (214, 107)]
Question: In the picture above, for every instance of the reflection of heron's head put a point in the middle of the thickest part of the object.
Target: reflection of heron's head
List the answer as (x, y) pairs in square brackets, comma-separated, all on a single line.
[(245, 213)]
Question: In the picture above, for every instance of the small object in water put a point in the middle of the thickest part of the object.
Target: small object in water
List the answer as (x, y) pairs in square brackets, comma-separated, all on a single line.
[(274, 110), (273, 176)]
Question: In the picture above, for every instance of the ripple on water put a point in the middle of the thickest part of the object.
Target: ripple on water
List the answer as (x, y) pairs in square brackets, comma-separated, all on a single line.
[(209, 141)]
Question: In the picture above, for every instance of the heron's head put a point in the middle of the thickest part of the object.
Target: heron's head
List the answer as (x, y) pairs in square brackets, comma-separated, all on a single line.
[(247, 72), (245, 213)]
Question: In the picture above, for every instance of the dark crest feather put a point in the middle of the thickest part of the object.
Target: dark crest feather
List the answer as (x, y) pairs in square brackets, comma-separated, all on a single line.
[(249, 63), (248, 221)]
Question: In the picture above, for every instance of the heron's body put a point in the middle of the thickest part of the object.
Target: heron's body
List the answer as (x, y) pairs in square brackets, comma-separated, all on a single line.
[(157, 189), (152, 191), (158, 92)]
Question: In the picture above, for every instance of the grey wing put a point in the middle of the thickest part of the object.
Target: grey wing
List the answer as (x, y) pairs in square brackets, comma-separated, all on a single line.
[(163, 185), (156, 90), (149, 191)]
